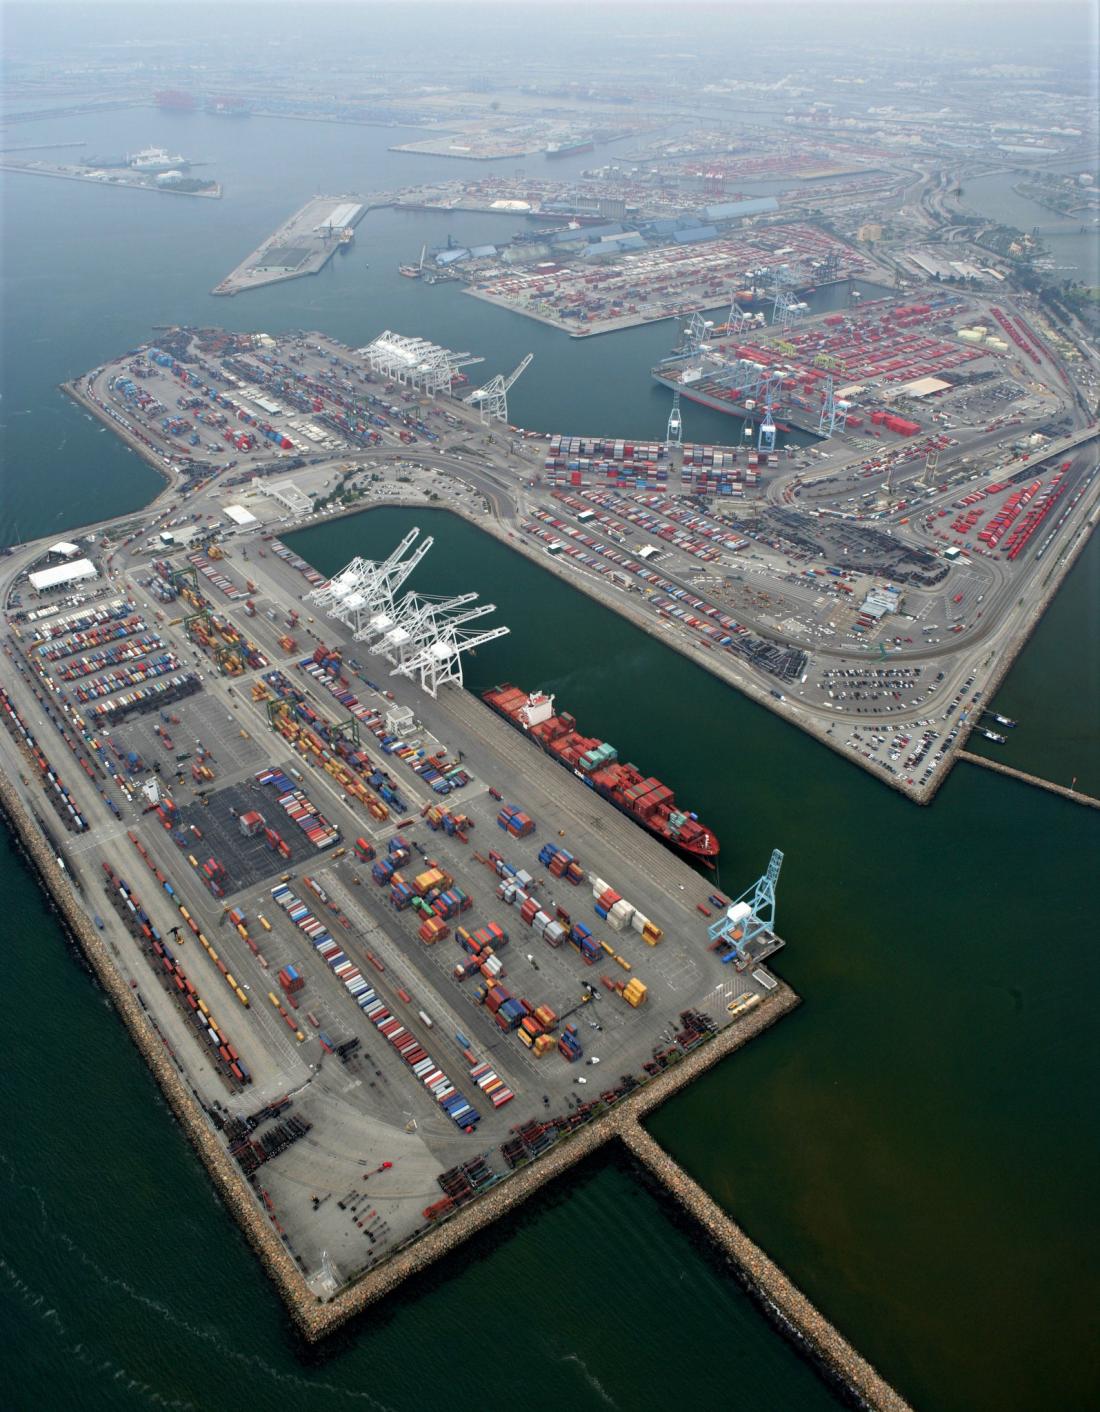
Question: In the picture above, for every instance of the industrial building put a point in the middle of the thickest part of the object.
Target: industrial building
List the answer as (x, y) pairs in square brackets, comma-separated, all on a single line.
[(241, 518), (61, 575)]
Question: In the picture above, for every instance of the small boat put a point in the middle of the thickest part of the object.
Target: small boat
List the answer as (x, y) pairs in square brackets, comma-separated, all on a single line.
[(1001, 720), (992, 735)]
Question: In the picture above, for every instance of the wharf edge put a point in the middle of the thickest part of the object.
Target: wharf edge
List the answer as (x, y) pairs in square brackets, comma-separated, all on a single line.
[(228, 1182)]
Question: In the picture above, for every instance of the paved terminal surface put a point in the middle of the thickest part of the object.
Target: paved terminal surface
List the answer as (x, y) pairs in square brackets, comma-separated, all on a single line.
[(302, 245), (353, 1144), (316, 1128), (765, 587)]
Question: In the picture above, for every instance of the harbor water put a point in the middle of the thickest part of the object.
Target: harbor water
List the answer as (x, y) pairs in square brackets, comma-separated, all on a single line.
[(911, 1145)]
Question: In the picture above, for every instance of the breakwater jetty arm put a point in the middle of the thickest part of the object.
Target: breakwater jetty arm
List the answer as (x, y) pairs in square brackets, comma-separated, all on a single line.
[(784, 1300), (1036, 780)]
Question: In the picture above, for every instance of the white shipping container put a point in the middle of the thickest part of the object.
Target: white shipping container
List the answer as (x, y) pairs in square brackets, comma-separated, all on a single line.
[(620, 914)]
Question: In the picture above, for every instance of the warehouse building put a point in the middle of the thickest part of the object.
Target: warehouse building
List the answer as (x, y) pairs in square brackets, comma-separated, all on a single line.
[(62, 575)]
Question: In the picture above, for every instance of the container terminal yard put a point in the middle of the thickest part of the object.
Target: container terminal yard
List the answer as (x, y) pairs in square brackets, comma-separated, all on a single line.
[(404, 966), (636, 285), (871, 588), (402, 952), (392, 951)]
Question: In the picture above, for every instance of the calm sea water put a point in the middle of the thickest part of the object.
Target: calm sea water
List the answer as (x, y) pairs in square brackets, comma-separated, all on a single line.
[(911, 1145)]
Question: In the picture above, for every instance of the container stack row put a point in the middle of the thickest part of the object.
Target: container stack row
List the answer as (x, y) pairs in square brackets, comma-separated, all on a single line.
[(125, 677), (561, 863), (300, 808), (152, 697)]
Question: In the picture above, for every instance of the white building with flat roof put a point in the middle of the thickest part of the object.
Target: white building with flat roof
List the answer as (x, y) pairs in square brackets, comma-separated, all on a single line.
[(59, 575), (242, 518)]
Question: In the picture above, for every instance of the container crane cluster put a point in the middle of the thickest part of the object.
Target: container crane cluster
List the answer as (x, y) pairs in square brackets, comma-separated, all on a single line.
[(422, 636), (416, 363)]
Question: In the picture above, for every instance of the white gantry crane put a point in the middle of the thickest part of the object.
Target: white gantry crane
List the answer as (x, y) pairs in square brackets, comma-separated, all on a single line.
[(674, 436), (414, 362), (492, 399), (364, 589), (439, 662), (423, 635), (736, 320), (332, 593), (415, 624)]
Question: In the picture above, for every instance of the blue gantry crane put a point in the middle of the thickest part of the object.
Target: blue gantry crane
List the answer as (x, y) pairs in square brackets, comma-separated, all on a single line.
[(748, 916)]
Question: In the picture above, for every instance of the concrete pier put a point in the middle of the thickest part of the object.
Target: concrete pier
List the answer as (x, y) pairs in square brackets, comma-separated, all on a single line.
[(1039, 783), (297, 248)]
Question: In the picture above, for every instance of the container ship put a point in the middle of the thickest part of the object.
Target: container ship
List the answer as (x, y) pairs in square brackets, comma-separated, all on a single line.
[(644, 799), (571, 149), (228, 108), (710, 391), (174, 100)]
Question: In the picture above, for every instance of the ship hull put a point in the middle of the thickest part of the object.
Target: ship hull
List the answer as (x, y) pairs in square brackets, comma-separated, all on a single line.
[(729, 409), (574, 149), (704, 854)]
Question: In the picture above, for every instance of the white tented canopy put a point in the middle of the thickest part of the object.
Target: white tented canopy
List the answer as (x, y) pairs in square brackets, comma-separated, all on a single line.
[(60, 574)]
